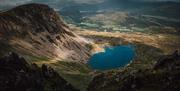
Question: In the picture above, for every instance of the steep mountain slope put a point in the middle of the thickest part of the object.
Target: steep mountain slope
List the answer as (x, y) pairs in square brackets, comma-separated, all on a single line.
[(36, 30), (17, 75)]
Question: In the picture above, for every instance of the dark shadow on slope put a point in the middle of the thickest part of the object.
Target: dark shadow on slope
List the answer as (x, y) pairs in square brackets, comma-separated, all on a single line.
[(17, 75)]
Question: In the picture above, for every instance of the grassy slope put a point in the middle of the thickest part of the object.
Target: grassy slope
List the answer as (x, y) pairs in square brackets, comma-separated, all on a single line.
[(75, 73), (165, 42)]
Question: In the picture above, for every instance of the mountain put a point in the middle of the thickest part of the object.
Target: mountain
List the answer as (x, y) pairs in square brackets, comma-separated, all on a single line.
[(17, 75), (37, 31), (163, 76), (137, 15)]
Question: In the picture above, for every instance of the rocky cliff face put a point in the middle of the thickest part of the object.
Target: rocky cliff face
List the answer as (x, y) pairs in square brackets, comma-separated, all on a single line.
[(36, 29), (163, 76), (17, 75)]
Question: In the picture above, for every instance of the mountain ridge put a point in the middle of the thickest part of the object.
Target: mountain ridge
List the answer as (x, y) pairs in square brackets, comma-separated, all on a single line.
[(38, 30)]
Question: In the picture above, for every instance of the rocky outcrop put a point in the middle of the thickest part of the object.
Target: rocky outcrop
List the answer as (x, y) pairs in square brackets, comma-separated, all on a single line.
[(18, 75), (36, 29), (168, 62), (164, 76)]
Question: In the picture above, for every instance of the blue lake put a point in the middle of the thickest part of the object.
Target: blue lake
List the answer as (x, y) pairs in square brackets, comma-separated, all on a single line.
[(112, 57)]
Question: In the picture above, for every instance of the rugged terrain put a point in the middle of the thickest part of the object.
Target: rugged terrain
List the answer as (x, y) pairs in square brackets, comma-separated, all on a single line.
[(163, 76), (37, 32), (17, 75), (149, 48)]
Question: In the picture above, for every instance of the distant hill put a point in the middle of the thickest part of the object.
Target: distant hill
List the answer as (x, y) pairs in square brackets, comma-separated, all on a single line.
[(141, 14)]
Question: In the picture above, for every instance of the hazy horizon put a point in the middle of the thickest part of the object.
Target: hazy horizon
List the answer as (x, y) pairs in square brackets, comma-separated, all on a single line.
[(4, 3)]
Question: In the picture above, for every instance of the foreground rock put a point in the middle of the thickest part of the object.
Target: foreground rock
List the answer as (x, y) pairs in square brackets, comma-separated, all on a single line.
[(164, 76), (37, 30), (17, 75)]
